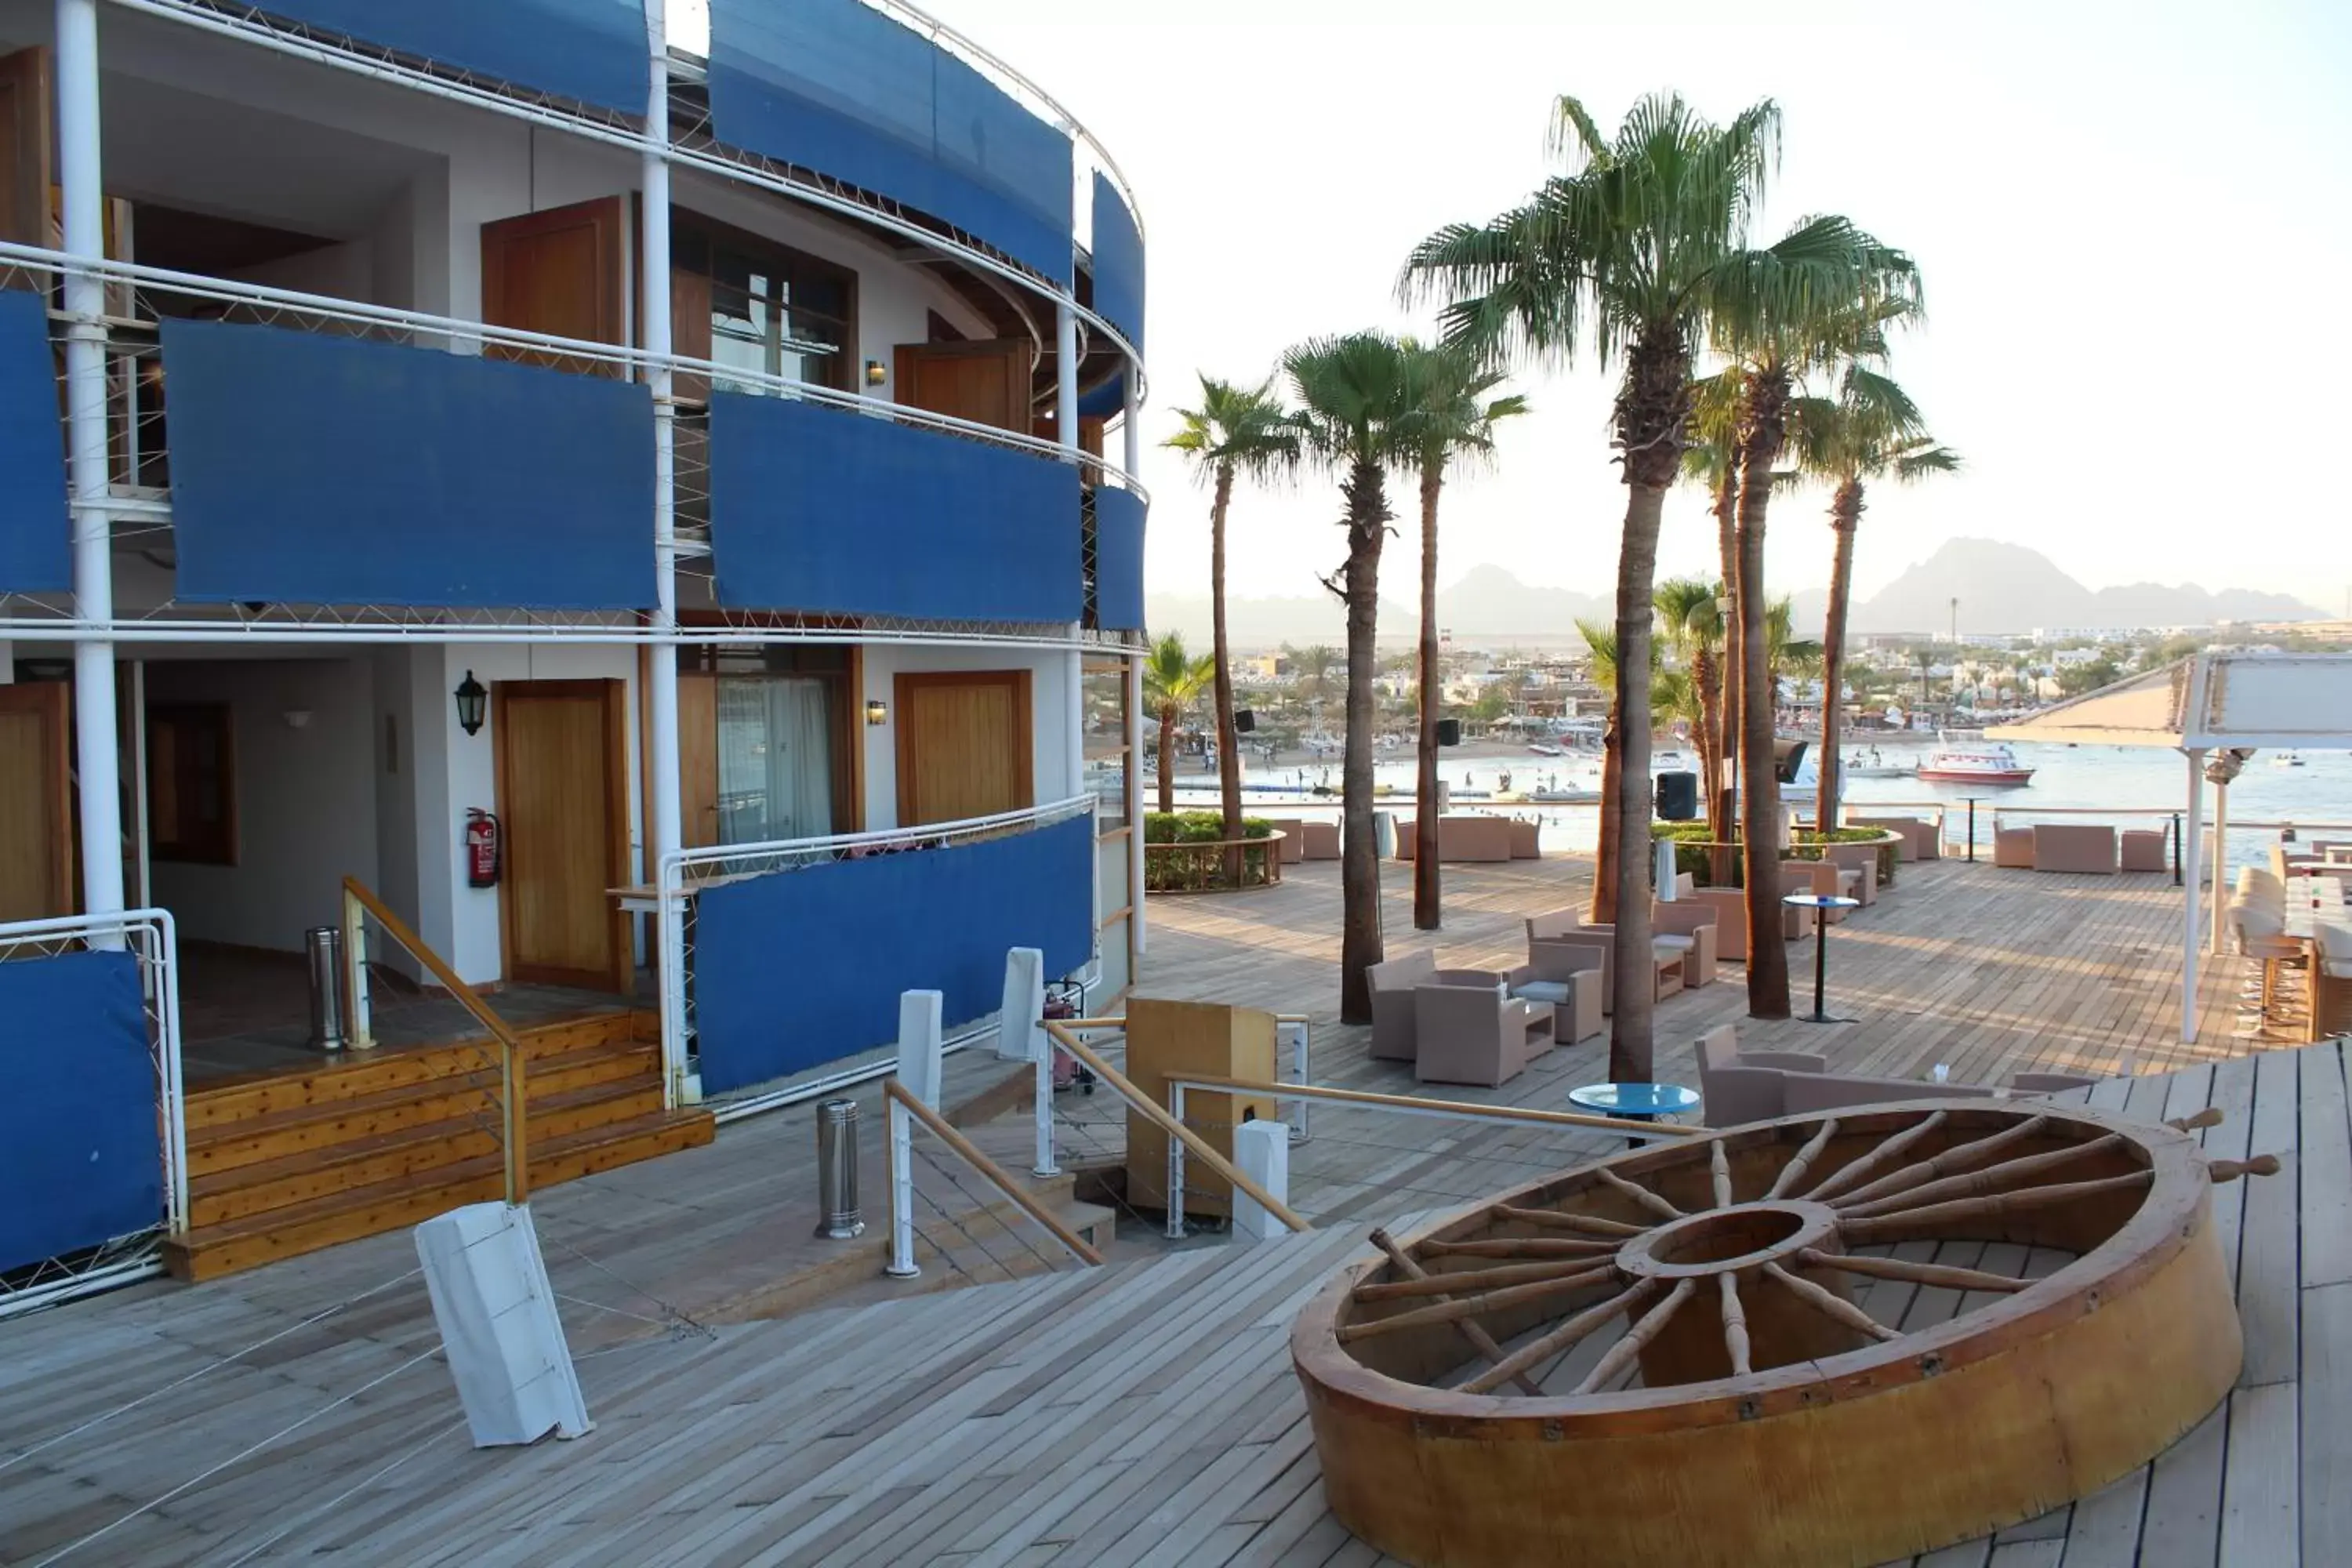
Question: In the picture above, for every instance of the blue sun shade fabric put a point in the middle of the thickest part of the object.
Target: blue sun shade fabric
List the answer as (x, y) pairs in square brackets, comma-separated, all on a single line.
[(815, 507), (838, 88), (35, 538), (1119, 560), (326, 470), (800, 968), (80, 1158), (1118, 263), (595, 51)]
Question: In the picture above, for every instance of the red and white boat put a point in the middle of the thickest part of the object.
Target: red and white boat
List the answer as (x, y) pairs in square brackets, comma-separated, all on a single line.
[(1966, 758)]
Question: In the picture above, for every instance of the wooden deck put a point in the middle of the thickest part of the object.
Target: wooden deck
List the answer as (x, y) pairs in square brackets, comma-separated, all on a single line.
[(1145, 1412)]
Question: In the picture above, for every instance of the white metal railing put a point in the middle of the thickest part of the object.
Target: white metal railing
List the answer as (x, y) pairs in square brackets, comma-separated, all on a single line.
[(684, 873), (151, 936), (253, 24)]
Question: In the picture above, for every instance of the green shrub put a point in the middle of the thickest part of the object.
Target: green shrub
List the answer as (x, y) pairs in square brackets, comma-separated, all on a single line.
[(1197, 826), (1692, 854), (1200, 863)]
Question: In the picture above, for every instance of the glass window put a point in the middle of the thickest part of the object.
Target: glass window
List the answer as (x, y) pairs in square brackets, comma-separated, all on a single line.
[(191, 784), (1103, 706), (776, 758), (772, 310)]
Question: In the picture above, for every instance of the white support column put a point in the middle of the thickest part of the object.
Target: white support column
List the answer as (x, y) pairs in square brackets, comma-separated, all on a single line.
[(2192, 860), (83, 192), (2220, 866), (1066, 430), (661, 681), (1137, 931)]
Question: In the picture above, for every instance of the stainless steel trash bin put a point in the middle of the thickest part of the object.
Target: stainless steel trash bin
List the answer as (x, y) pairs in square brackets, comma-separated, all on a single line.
[(329, 1006), (836, 1171)]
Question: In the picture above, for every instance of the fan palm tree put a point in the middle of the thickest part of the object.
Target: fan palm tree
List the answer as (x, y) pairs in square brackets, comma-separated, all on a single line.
[(1620, 255), (1812, 299), (1312, 667), (1450, 420), (1711, 461), (1237, 432), (1871, 430), (1351, 395), (1172, 682), (1690, 616)]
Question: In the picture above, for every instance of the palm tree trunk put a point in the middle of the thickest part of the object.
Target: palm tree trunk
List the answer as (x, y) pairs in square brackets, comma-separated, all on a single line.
[(1631, 1041), (1768, 956), (1426, 913), (1727, 713), (1229, 755), (1366, 493), (1705, 679), (1603, 909), (1845, 513), (1167, 757)]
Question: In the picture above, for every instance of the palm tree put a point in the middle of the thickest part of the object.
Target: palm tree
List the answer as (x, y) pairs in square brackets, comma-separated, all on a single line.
[(1690, 616), (1451, 420), (1237, 431), (1872, 430), (1712, 461), (1312, 666), (1620, 253), (1352, 394), (1172, 681), (1796, 306)]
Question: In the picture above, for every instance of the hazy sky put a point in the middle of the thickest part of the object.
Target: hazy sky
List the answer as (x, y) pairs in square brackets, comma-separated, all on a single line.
[(2131, 219)]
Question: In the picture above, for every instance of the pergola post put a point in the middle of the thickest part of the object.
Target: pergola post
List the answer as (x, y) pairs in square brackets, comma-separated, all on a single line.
[(2193, 854), (2220, 864)]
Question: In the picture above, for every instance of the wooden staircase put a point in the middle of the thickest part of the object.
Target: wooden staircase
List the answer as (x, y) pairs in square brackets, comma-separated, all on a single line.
[(285, 1165)]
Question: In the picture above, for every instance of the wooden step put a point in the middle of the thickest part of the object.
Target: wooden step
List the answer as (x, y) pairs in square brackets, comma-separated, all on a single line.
[(238, 1191), (357, 1075), (295, 1128), (210, 1251)]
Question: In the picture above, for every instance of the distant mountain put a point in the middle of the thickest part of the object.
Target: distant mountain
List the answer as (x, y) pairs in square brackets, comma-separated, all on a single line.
[(2009, 588), (2002, 588)]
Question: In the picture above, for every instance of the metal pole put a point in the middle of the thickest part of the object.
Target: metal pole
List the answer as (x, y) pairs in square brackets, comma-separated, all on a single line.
[(838, 1219), (1973, 830), (661, 705), (1066, 430), (1176, 1165), (1045, 1164), (83, 196), (2221, 863), (1821, 963), (902, 1192), (2190, 911), (1131, 454)]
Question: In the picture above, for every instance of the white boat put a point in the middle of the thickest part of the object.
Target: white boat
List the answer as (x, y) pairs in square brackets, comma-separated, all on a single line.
[(2285, 760), (1871, 765), (1966, 757), (1540, 750)]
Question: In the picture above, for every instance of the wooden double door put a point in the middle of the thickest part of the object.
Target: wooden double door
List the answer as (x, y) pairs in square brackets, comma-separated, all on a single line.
[(562, 794)]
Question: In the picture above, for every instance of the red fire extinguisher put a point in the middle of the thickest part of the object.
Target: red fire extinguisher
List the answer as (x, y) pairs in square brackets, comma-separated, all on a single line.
[(481, 848)]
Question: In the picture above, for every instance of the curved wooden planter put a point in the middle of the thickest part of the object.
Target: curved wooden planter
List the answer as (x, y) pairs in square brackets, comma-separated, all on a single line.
[(1262, 868), (1839, 1447)]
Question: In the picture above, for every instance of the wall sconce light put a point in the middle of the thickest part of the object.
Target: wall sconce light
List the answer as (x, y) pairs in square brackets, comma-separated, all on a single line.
[(472, 698), (297, 718), (876, 373), (878, 711)]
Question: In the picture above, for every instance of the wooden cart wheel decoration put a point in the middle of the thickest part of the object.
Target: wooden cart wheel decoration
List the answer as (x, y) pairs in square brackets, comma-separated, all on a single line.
[(1773, 1419)]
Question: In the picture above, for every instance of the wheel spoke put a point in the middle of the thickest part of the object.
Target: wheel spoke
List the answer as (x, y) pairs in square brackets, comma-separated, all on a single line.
[(1470, 1281), (1557, 1219), (1909, 1272), (1718, 1165), (1878, 1226), (1959, 1157), (1561, 1339), (1639, 1194), (1645, 1329), (1735, 1325), (1878, 1158), (1828, 1305), (1480, 1339), (1456, 1310), (1522, 1246), (1976, 1184), (1794, 1171)]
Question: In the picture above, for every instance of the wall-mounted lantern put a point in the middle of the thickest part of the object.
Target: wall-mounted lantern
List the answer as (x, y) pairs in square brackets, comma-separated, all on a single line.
[(473, 700), (876, 373), (878, 711)]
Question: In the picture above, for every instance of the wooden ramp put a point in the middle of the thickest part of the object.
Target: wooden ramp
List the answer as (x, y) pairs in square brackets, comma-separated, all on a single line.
[(284, 1164)]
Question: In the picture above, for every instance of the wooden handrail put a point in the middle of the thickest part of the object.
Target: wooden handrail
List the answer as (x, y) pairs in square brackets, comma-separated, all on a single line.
[(512, 1086), (946, 1134), (1157, 1114), (1449, 1107)]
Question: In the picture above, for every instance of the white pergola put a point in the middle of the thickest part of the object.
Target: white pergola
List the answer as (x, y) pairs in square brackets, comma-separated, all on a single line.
[(2210, 704)]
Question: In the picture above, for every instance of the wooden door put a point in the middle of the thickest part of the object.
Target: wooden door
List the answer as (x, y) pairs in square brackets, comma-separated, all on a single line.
[(557, 273), (36, 816), (698, 760), (963, 744), (563, 801), (985, 382), (25, 162)]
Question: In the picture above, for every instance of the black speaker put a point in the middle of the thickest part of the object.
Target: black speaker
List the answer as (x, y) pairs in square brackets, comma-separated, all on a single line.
[(1245, 720), (1449, 732), (1677, 796), (1788, 756)]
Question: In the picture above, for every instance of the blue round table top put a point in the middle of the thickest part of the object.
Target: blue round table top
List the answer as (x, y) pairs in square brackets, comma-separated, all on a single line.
[(1634, 1099), (1819, 901)]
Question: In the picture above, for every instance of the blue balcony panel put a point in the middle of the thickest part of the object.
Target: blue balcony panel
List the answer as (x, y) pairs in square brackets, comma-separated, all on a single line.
[(595, 51), (1118, 263), (837, 86), (798, 968), (80, 1158), (35, 538), (824, 510), (1119, 560), (309, 469)]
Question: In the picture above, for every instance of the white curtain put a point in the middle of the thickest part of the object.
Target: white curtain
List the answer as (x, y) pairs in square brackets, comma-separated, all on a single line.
[(775, 758)]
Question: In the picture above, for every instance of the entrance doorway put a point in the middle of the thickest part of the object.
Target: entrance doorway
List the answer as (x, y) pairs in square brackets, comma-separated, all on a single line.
[(963, 744), (563, 805), (37, 815)]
